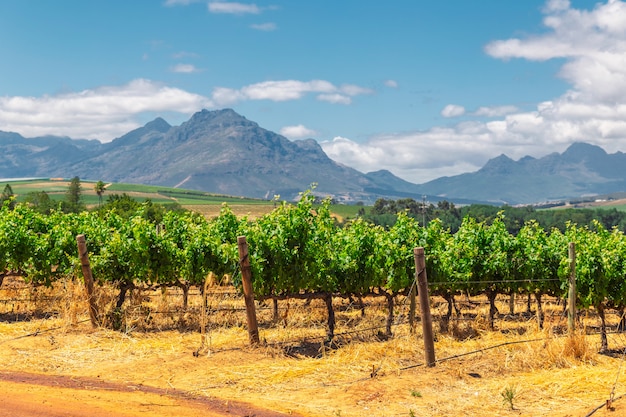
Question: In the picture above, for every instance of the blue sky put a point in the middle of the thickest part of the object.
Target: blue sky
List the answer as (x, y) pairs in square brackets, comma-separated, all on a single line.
[(422, 88)]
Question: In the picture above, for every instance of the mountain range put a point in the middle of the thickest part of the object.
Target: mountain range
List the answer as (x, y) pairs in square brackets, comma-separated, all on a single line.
[(223, 152)]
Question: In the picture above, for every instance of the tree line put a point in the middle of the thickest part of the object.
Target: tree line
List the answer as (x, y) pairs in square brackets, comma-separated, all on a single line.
[(384, 212), (72, 201)]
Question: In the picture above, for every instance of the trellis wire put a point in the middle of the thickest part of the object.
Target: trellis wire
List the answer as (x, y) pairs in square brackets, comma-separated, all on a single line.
[(504, 281)]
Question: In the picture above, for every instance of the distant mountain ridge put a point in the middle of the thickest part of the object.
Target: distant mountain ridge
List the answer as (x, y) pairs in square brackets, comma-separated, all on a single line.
[(582, 170), (223, 152), (216, 151)]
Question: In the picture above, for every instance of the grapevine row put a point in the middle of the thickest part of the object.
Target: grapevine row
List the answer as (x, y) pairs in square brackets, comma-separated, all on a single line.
[(299, 249)]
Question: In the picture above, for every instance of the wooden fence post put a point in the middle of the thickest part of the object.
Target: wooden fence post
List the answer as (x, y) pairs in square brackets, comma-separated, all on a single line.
[(248, 291), (84, 263), (412, 307), (427, 322), (571, 298)]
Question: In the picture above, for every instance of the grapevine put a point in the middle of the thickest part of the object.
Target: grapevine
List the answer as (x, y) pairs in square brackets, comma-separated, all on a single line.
[(299, 250)]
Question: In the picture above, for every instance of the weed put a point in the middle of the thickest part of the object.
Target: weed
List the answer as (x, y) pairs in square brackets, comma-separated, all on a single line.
[(416, 394), (508, 395)]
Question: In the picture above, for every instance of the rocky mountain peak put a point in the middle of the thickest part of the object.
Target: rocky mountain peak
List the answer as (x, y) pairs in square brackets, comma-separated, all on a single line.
[(499, 165), (218, 119), (578, 152), (158, 125)]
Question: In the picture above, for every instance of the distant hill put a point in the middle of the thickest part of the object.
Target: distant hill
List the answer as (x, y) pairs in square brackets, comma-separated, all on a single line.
[(582, 170), (223, 152)]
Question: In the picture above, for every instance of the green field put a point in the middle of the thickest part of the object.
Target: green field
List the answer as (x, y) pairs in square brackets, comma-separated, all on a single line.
[(203, 202)]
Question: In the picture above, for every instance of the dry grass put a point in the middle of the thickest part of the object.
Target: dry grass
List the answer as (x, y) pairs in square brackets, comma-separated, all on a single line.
[(542, 371), (251, 211)]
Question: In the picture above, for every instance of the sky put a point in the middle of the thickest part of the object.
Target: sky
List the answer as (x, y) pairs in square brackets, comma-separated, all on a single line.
[(424, 89)]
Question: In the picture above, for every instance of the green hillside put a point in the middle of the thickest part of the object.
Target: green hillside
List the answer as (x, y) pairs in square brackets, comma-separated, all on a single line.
[(206, 203)]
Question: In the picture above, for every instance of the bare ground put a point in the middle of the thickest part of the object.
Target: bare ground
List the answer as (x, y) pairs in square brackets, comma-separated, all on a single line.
[(31, 395), (98, 373), (60, 366)]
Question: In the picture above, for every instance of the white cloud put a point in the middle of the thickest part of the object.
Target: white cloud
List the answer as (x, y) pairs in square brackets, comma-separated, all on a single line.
[(592, 45), (356, 155), (335, 98), (556, 6), (102, 113), (297, 132), (107, 112), (233, 8), (285, 90), (452, 110), (354, 90), (391, 83), (440, 151), (496, 111), (264, 27), (226, 96), (185, 68), (414, 156), (465, 147)]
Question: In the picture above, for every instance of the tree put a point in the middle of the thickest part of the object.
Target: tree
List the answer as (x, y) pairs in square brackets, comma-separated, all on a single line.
[(382, 206), (73, 203), (7, 195), (100, 188), (40, 202), (123, 204)]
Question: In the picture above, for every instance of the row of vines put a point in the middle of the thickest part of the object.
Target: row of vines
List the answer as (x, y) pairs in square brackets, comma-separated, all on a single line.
[(299, 250)]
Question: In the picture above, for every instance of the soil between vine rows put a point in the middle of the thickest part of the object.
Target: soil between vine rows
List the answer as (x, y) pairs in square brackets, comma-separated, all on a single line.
[(53, 366)]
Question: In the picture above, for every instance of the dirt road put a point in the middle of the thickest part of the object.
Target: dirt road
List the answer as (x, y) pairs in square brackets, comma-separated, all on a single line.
[(34, 395)]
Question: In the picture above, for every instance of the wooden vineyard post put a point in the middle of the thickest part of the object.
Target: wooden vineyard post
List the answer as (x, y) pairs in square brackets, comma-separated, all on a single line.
[(571, 297), (427, 322), (84, 263), (412, 307), (248, 291), (328, 299)]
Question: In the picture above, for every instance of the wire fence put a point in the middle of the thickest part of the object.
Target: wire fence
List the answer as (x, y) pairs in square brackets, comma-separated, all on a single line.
[(228, 300), (225, 307)]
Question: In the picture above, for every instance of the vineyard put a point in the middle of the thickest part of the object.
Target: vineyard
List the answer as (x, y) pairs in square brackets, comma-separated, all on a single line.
[(298, 251), (333, 283)]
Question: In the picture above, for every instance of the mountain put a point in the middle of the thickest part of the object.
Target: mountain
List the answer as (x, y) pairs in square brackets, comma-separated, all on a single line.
[(215, 151), (223, 152), (23, 157), (582, 170)]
